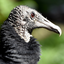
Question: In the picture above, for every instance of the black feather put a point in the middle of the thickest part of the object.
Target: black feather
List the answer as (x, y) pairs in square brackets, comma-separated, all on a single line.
[(15, 50)]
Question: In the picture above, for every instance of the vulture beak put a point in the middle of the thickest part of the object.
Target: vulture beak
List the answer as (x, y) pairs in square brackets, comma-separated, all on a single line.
[(44, 23)]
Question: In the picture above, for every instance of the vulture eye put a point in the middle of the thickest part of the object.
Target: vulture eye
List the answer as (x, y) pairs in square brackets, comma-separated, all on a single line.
[(32, 14)]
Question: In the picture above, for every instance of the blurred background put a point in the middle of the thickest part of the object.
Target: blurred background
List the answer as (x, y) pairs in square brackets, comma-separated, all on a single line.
[(52, 46)]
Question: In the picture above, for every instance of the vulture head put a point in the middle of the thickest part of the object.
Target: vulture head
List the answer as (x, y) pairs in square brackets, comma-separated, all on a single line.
[(25, 19)]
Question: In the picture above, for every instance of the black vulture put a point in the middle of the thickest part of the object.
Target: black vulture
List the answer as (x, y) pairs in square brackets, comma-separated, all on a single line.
[(17, 45)]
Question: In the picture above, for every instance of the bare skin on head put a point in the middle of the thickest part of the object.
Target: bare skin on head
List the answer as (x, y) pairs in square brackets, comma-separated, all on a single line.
[(26, 19)]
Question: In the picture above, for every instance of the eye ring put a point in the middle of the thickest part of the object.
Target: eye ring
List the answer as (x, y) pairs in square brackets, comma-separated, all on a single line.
[(32, 14)]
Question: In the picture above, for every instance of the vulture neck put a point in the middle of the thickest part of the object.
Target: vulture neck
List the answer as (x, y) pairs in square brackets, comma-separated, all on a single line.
[(23, 33), (15, 49)]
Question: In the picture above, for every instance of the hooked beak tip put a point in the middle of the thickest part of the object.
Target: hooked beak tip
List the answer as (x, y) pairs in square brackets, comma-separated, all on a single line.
[(58, 30)]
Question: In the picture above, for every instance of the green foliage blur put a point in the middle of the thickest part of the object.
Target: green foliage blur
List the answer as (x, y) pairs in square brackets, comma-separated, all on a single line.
[(52, 46)]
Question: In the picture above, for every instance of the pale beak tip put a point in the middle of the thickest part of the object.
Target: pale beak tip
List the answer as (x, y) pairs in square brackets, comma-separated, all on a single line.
[(57, 29), (60, 31)]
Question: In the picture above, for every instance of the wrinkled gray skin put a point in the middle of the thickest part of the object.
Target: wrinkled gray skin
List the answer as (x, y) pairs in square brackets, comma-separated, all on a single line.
[(25, 19)]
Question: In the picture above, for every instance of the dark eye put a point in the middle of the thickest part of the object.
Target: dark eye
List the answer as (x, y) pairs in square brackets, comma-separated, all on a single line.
[(32, 14)]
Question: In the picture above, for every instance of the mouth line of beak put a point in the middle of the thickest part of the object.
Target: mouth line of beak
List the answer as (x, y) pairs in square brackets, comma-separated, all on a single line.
[(50, 26), (52, 29)]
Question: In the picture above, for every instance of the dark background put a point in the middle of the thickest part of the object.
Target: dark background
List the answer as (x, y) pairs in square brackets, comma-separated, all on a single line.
[(52, 49)]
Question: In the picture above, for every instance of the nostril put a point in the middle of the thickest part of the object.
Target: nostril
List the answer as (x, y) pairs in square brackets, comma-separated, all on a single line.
[(45, 20)]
